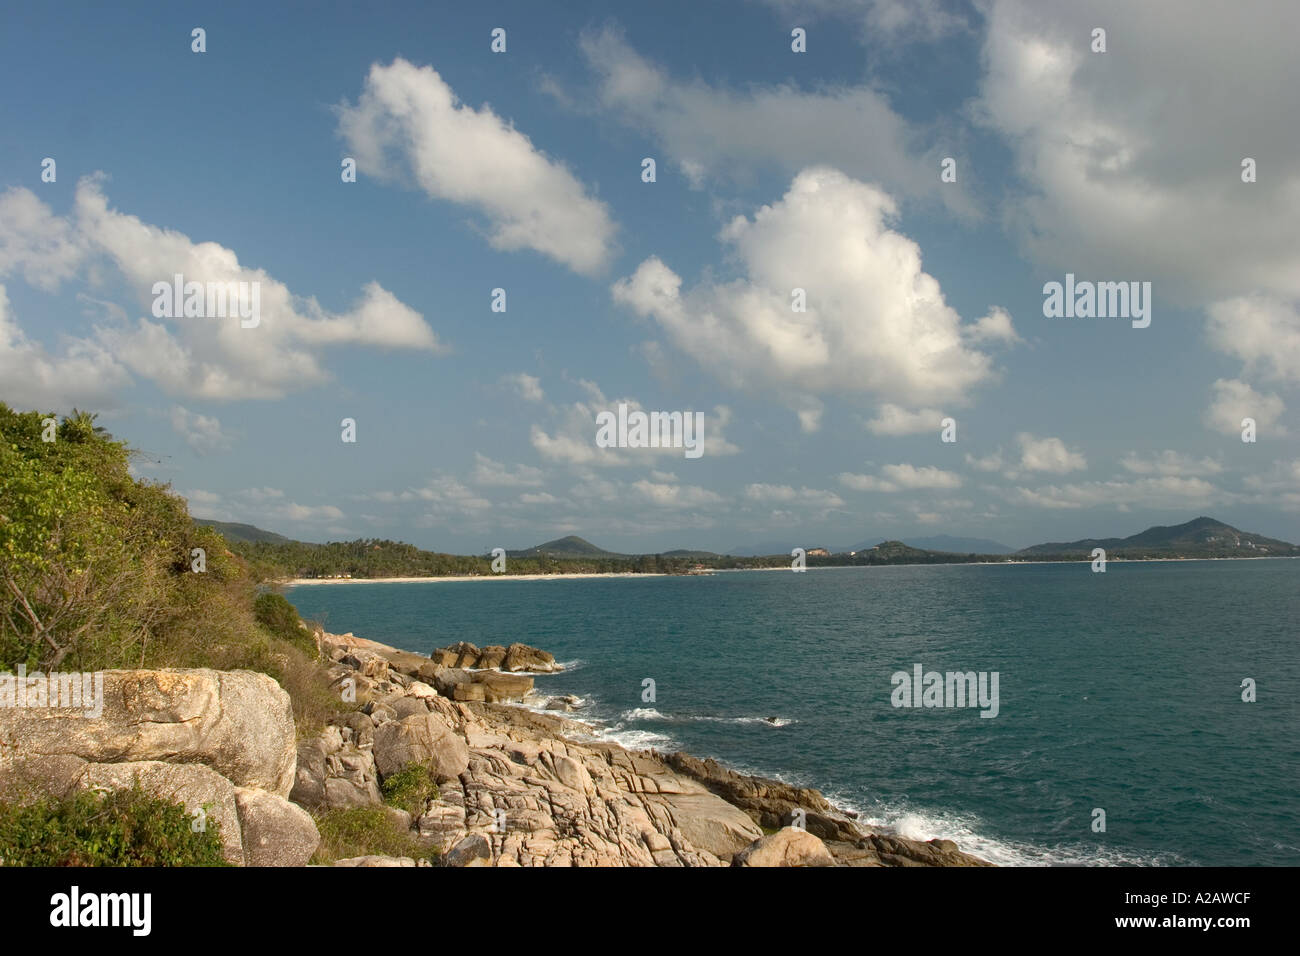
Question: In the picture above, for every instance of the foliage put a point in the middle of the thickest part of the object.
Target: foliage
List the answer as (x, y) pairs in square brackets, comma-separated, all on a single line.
[(409, 788), (121, 828), (280, 617), (99, 569), (365, 831)]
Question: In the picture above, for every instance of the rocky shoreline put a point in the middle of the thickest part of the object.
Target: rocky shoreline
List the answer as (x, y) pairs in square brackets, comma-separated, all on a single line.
[(522, 788)]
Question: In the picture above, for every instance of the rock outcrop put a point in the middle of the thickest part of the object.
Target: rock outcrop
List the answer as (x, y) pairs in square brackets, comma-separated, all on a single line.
[(786, 847), (524, 788), (239, 723), (219, 742)]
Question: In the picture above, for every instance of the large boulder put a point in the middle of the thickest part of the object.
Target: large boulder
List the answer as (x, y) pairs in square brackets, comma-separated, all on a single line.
[(274, 831), (492, 656), (709, 822), (499, 687), (787, 847), (472, 850), (420, 739), (445, 681), (521, 657), (238, 723)]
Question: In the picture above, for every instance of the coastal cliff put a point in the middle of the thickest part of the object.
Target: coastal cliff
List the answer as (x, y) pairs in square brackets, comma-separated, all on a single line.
[(521, 788)]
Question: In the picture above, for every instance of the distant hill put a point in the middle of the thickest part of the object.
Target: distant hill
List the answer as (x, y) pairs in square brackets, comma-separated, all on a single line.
[(233, 531), (568, 547), (946, 542), (1200, 537)]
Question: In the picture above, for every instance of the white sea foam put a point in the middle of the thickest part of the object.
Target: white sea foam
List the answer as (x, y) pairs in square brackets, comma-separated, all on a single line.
[(642, 713), (650, 713), (966, 833)]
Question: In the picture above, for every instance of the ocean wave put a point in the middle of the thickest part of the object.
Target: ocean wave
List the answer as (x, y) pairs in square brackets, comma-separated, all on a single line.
[(650, 713), (765, 721), (635, 739), (913, 824)]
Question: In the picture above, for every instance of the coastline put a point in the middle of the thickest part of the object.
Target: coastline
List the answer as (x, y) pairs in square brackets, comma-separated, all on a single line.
[(521, 785), (578, 575)]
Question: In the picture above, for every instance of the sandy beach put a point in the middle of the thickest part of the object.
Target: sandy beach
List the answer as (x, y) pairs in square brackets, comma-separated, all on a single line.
[(299, 582)]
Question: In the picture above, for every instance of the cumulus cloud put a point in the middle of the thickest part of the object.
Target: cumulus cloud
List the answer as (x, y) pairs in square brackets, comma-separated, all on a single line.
[(409, 125), (81, 373), (713, 132), (43, 248), (1279, 485), (203, 433), (883, 21), (1118, 185), (988, 463), (894, 420), (495, 474), (902, 477), (571, 440), (1231, 401), (1162, 492), (1170, 463), (528, 386), (666, 495), (1262, 331), (1048, 455), (876, 322), (211, 358)]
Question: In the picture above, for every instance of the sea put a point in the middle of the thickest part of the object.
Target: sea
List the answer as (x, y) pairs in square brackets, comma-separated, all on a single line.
[(1147, 715)]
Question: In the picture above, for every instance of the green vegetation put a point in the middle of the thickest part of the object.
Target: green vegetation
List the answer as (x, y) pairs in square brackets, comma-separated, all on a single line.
[(410, 787), (363, 831), (122, 828), (99, 569)]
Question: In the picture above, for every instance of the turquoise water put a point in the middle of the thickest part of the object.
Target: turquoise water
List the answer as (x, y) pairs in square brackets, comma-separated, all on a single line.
[(1119, 691)]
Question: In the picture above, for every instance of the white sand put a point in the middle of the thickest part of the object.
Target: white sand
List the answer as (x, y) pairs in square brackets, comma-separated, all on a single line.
[(296, 582)]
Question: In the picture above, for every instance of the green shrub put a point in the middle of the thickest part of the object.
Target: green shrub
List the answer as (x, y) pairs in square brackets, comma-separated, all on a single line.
[(277, 615), (410, 787), (365, 831), (121, 828)]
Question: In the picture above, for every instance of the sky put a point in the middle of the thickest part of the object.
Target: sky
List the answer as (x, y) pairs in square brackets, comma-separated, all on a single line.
[(919, 170)]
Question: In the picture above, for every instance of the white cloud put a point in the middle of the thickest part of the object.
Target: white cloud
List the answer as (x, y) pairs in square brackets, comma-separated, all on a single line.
[(1117, 182), (715, 132), (528, 386), (1262, 331), (875, 321), (495, 474), (572, 439), (203, 432), (1279, 486), (894, 420), (40, 246), (83, 373), (991, 462), (902, 477), (1231, 401), (882, 21), (212, 358), (676, 496), (1049, 455), (1162, 492), (1170, 463), (409, 125)]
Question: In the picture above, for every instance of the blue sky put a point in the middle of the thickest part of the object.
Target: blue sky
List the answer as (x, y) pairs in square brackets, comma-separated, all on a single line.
[(774, 170)]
